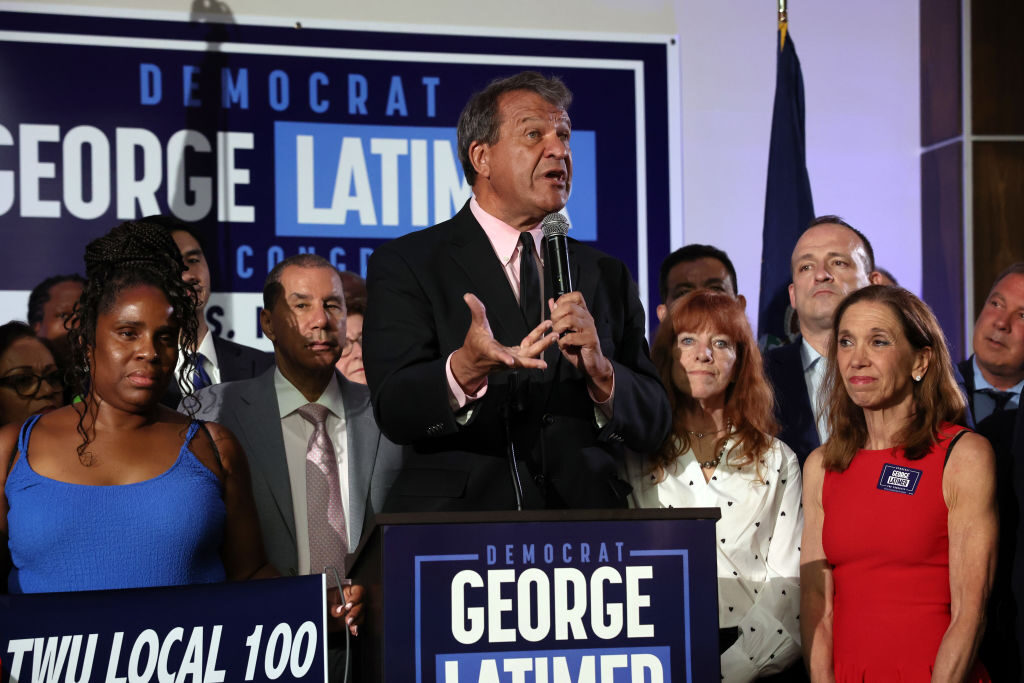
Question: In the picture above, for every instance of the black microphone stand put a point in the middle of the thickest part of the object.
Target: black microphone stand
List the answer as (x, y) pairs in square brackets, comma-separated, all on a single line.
[(513, 466)]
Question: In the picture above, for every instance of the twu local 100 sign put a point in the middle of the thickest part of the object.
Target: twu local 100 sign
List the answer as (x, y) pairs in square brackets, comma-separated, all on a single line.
[(271, 630), (632, 601)]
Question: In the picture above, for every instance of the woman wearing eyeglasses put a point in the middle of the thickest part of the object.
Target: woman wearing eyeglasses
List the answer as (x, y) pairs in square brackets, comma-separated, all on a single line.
[(351, 362), (30, 382)]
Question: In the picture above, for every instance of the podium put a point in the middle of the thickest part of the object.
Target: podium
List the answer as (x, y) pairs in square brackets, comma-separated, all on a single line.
[(605, 596)]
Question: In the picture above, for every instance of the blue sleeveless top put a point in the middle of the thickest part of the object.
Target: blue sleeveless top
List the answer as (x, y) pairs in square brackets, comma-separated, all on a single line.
[(164, 531)]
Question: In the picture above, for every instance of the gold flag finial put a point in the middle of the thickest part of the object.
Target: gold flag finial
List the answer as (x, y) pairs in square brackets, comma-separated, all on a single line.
[(783, 24)]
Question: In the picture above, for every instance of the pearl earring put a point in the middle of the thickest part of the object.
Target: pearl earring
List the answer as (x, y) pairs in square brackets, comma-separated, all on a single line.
[(917, 378)]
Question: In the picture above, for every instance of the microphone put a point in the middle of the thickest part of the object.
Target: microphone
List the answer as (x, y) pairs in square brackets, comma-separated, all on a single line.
[(556, 251)]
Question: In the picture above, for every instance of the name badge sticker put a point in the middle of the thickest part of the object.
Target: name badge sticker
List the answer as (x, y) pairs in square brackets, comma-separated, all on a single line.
[(899, 479)]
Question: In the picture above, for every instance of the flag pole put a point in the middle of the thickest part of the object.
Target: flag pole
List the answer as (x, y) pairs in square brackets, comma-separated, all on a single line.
[(783, 24)]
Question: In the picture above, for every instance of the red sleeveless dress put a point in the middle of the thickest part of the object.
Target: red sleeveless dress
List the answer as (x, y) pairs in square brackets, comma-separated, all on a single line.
[(885, 535)]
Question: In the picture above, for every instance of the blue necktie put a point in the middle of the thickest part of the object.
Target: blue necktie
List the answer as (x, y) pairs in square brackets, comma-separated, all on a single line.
[(200, 378)]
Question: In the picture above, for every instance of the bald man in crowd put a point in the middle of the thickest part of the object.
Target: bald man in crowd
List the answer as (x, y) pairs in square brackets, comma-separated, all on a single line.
[(830, 260)]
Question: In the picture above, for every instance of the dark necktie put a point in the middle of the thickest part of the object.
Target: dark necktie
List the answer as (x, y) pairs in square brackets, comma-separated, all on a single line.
[(200, 378), (1001, 398), (529, 282)]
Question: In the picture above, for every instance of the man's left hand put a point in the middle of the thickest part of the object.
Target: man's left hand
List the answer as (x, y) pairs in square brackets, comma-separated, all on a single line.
[(578, 341)]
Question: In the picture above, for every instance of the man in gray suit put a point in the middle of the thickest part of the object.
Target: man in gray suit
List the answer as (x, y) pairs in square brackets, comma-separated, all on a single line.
[(304, 317)]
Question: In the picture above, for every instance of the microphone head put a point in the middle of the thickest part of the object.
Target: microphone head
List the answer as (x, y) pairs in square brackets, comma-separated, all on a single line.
[(554, 224)]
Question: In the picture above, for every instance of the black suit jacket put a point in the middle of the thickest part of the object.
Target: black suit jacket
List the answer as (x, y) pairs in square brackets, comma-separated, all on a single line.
[(235, 362), (418, 318), (1002, 649), (785, 371)]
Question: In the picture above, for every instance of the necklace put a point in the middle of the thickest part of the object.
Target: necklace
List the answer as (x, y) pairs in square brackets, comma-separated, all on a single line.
[(701, 435), (708, 464)]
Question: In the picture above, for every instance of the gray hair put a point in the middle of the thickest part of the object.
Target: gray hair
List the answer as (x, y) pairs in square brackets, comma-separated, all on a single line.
[(479, 121)]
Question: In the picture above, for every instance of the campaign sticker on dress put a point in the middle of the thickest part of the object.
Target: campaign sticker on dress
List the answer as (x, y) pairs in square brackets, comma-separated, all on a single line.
[(899, 479)]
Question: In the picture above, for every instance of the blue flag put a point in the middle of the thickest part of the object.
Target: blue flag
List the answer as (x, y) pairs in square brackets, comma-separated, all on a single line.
[(788, 208)]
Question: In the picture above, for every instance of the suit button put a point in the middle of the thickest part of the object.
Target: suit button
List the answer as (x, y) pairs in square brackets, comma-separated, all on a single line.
[(539, 480), (548, 419)]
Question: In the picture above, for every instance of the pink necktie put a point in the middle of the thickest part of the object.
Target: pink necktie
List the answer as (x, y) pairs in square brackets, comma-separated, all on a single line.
[(325, 516)]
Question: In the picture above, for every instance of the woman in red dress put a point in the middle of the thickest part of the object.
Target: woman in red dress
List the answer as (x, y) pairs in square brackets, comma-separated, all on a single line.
[(899, 541)]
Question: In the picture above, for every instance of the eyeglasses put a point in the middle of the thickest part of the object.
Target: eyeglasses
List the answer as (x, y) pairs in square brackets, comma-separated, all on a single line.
[(27, 384), (351, 344)]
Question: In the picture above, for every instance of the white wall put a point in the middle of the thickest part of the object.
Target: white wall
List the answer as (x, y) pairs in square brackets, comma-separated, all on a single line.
[(861, 81), (861, 77)]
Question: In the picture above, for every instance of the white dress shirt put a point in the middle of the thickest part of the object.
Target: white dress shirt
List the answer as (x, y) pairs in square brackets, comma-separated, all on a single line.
[(814, 375), (758, 543), (297, 431), (210, 364)]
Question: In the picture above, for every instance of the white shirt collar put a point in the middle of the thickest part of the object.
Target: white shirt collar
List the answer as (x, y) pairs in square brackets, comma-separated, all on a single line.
[(207, 348), (290, 399), (808, 355)]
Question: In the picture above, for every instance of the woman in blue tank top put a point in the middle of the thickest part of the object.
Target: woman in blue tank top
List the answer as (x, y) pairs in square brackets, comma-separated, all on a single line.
[(116, 490)]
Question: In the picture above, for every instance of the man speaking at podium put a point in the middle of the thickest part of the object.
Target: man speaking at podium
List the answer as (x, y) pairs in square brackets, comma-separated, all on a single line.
[(509, 401)]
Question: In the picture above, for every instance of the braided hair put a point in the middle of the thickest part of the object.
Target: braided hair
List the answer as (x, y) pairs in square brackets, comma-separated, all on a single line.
[(133, 253)]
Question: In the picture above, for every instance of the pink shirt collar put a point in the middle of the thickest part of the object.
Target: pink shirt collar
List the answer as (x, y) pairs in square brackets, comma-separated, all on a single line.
[(503, 237)]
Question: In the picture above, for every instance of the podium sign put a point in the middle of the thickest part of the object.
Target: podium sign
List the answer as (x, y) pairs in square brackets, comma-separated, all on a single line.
[(270, 630), (532, 598)]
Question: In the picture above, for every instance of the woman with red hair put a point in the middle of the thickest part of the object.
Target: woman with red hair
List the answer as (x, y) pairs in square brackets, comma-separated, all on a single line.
[(721, 452)]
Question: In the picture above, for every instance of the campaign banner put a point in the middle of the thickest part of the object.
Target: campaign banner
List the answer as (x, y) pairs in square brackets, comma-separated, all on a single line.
[(629, 601), (270, 630), (308, 137)]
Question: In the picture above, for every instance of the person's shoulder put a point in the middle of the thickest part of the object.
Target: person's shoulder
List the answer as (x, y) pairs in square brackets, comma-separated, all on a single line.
[(781, 454), (780, 355), (353, 394), (969, 446), (8, 445), (815, 463), (210, 403), (588, 252), (419, 242), (241, 350)]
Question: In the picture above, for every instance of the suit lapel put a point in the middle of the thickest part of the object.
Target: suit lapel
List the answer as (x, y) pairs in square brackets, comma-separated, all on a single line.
[(363, 438), (265, 444), (802, 417), (473, 254), (228, 361)]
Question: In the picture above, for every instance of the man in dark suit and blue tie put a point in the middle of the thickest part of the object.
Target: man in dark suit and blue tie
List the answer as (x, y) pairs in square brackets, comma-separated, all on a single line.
[(994, 378), (219, 359), (830, 260)]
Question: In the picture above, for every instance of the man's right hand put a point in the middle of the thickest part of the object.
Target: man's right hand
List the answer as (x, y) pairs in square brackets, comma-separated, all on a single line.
[(481, 354)]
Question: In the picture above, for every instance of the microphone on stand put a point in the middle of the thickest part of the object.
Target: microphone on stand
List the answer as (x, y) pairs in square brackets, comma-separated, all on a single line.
[(555, 226)]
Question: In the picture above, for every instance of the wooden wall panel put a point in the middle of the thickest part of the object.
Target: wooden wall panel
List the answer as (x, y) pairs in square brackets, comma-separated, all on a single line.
[(998, 212), (997, 67)]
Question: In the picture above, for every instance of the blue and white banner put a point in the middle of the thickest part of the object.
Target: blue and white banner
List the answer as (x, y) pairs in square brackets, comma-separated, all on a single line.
[(279, 140), (598, 601), (271, 630)]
